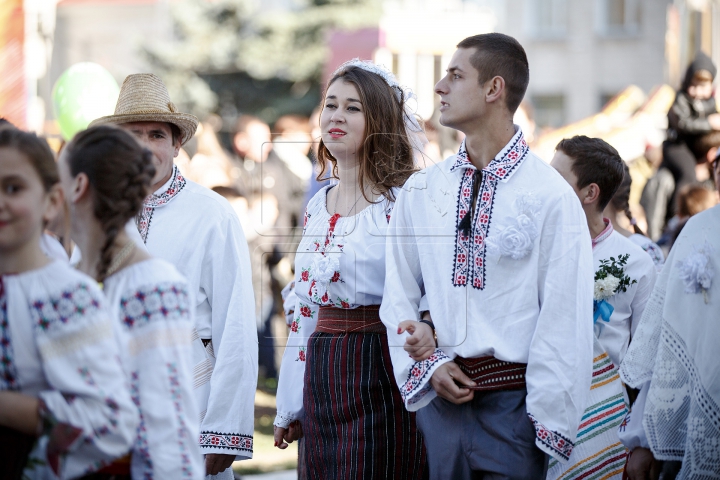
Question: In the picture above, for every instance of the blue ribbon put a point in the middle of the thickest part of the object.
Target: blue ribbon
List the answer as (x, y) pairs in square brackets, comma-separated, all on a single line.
[(602, 309)]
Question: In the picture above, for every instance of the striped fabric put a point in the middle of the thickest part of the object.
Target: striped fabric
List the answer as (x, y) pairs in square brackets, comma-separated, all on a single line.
[(598, 453), (355, 424), (489, 373)]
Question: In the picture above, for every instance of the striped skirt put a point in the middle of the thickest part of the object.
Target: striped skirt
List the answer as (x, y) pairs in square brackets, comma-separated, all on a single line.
[(356, 426)]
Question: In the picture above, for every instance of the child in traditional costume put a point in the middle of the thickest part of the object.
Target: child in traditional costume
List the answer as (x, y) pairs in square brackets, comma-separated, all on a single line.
[(624, 277), (61, 376), (106, 176), (336, 382)]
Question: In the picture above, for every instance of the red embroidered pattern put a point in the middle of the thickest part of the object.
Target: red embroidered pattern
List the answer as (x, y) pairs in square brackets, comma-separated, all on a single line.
[(228, 441), (154, 201), (469, 262), (552, 440), (417, 384)]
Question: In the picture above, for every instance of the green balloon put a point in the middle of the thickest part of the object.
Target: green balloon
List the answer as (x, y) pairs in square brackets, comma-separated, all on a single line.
[(83, 92)]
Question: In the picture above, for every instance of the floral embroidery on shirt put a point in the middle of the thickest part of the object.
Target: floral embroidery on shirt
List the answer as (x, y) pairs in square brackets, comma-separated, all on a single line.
[(182, 431), (70, 306), (141, 448), (8, 373), (417, 384), (177, 183), (697, 271), (229, 441), (301, 354), (470, 245), (160, 302), (552, 440), (516, 240)]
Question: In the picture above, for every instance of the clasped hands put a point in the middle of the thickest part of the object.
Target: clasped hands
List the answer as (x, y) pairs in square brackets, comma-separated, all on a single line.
[(284, 436), (448, 380)]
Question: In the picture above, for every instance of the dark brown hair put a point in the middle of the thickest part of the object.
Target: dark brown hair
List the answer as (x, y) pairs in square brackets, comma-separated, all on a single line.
[(120, 173), (36, 150), (386, 155), (498, 55), (702, 145), (621, 200), (594, 161), (693, 199)]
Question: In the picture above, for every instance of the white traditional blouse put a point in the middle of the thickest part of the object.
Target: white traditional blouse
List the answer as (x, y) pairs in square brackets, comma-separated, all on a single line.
[(152, 307), (614, 334), (340, 263), (651, 248), (513, 285), (675, 348), (198, 232), (57, 344)]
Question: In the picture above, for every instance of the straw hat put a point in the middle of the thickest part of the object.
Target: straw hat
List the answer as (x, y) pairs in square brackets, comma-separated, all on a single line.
[(144, 98)]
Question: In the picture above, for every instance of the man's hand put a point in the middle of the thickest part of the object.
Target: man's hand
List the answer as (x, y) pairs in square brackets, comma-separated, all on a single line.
[(421, 342), (714, 120), (642, 465), (217, 462), (289, 435), (443, 381)]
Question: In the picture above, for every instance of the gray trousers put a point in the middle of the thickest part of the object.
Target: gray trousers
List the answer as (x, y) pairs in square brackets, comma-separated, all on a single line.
[(488, 438)]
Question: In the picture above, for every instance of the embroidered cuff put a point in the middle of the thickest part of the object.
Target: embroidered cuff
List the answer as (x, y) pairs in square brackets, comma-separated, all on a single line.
[(226, 443), (283, 421), (416, 388), (552, 443)]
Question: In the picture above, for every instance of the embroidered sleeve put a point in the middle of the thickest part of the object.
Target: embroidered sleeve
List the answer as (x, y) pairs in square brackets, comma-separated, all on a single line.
[(159, 322), (81, 362), (292, 370), (417, 391)]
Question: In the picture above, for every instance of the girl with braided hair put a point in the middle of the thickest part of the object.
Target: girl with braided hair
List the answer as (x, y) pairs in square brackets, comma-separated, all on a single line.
[(106, 174), (62, 386), (618, 211)]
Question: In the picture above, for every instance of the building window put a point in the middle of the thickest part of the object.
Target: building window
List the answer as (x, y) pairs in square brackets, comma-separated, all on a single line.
[(619, 17), (547, 18), (549, 110)]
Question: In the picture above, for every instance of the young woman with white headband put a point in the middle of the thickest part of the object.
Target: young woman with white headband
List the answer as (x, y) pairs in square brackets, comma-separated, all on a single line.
[(336, 382)]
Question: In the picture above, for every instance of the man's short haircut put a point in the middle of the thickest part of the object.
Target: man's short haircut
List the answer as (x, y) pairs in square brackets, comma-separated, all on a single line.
[(702, 145), (594, 161), (499, 55)]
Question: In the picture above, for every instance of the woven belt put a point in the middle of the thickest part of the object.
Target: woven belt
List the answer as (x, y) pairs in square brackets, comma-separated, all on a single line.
[(489, 373), (346, 320)]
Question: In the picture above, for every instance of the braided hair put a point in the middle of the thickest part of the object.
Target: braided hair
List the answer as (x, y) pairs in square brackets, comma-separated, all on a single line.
[(120, 173), (621, 200)]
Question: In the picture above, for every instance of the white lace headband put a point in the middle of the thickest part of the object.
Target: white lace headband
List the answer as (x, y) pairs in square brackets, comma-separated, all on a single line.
[(402, 94)]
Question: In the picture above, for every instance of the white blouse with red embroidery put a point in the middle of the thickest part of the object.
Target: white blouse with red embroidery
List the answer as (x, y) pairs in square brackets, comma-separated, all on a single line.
[(340, 263), (516, 282)]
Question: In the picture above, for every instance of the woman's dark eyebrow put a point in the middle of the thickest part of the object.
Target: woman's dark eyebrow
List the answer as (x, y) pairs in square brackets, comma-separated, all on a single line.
[(333, 97)]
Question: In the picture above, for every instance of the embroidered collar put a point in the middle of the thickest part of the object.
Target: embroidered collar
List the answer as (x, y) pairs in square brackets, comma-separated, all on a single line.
[(504, 164), (175, 185), (604, 234)]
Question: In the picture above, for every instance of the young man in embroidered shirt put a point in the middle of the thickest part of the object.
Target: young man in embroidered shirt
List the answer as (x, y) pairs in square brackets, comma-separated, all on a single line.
[(595, 171), (490, 245), (198, 231)]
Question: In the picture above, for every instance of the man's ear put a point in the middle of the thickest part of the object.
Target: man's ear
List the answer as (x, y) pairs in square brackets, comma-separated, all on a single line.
[(177, 148), (591, 194), (494, 89)]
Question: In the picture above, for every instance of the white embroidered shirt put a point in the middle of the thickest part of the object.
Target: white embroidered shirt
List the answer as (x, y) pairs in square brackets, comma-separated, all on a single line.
[(198, 232), (628, 306), (151, 305), (57, 343), (515, 286), (340, 263)]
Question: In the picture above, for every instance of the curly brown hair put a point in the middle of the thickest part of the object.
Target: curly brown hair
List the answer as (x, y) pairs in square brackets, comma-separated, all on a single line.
[(386, 155), (120, 173)]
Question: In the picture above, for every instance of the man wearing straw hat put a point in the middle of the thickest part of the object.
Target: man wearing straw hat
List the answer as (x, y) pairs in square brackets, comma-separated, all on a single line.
[(197, 230)]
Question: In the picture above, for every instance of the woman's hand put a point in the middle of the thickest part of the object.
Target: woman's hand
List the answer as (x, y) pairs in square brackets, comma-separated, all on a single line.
[(284, 436), (421, 342)]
